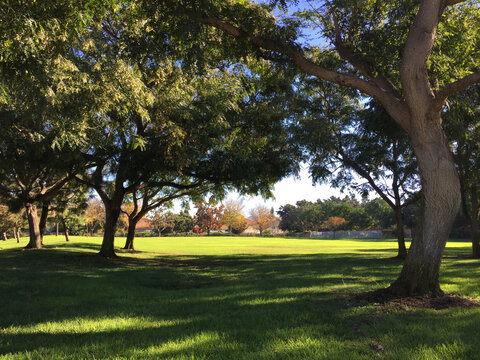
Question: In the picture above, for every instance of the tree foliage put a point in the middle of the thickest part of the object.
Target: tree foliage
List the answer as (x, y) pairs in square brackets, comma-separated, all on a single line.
[(208, 216), (262, 218), (233, 217)]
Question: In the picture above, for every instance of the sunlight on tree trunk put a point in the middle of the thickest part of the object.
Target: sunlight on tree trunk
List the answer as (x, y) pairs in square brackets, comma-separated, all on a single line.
[(441, 199), (34, 228), (107, 250)]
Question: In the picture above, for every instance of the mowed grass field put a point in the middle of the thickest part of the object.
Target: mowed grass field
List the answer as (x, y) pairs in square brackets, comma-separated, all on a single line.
[(226, 298)]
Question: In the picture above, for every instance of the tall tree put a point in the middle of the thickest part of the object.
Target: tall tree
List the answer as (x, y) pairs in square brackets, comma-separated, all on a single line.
[(167, 127), (40, 94), (397, 54)]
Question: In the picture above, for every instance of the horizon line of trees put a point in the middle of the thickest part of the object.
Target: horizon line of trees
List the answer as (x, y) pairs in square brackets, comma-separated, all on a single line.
[(87, 217)]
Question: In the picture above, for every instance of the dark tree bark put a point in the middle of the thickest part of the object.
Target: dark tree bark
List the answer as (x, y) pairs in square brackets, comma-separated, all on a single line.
[(112, 213), (474, 223), (43, 218), (402, 249), (56, 228), (65, 229), (441, 199), (35, 241), (132, 223)]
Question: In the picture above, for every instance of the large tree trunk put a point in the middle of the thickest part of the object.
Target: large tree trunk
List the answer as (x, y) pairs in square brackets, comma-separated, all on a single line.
[(43, 219), (33, 227), (132, 224), (4, 236), (112, 213), (56, 228), (474, 223), (65, 229), (441, 199), (402, 249)]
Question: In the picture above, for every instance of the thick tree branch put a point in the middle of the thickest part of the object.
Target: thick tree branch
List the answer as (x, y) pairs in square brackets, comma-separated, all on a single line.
[(420, 40), (49, 191), (456, 86), (394, 106)]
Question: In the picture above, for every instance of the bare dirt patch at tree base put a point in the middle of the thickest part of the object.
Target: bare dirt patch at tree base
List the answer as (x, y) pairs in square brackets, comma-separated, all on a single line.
[(385, 297)]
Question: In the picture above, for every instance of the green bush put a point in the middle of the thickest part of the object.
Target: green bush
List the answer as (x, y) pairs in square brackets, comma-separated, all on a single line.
[(267, 233)]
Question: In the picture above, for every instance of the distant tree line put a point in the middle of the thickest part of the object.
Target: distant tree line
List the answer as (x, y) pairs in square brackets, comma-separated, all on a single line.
[(314, 216)]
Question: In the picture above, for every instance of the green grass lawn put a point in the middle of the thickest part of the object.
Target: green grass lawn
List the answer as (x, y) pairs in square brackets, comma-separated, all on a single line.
[(225, 298)]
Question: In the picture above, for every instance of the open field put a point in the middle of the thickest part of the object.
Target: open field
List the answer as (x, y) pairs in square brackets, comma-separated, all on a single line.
[(225, 298)]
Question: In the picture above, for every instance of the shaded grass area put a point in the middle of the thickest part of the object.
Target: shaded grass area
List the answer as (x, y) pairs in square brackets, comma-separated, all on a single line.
[(225, 298)]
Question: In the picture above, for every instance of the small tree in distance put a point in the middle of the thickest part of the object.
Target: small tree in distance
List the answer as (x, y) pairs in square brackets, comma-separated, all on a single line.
[(161, 220), (262, 218), (233, 217), (95, 216), (208, 217), (183, 222), (334, 223)]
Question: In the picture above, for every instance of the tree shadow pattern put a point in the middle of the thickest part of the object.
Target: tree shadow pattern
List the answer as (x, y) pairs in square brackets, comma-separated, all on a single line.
[(221, 307)]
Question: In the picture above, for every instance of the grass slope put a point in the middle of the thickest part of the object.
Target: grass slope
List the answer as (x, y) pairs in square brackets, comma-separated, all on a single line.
[(225, 298)]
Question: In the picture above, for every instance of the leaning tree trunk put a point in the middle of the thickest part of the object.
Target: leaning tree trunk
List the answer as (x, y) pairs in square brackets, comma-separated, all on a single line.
[(112, 213), (132, 224), (402, 249), (35, 241), (474, 223), (65, 229), (441, 199)]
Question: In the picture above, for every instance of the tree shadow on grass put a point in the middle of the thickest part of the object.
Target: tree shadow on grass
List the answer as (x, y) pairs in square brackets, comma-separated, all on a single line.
[(254, 306)]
